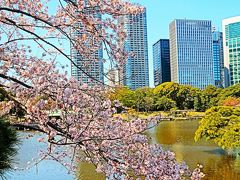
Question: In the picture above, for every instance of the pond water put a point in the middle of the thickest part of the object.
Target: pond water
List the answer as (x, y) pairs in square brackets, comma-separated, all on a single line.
[(174, 135), (178, 137)]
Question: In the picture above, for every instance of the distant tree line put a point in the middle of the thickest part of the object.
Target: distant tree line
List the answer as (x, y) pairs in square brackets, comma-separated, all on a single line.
[(221, 123), (175, 96)]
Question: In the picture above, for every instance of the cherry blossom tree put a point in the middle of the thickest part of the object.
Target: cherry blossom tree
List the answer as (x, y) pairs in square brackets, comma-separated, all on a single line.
[(88, 128)]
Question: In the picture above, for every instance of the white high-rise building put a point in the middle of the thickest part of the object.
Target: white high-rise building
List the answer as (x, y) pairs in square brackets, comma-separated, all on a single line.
[(90, 66), (136, 70), (231, 46)]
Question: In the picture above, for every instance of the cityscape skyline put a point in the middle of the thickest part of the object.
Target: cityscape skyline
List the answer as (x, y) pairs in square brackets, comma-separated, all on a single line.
[(109, 89), (161, 13), (163, 33)]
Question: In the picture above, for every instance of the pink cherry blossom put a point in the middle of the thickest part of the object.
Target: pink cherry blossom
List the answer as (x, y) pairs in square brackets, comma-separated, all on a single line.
[(87, 124)]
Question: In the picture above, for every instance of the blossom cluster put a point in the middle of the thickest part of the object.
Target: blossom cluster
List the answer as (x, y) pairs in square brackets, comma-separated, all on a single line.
[(87, 125)]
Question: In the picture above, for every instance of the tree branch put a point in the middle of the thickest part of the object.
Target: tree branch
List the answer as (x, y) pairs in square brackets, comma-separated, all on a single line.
[(15, 80)]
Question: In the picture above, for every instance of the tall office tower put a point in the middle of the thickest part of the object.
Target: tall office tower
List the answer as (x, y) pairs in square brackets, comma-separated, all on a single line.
[(191, 57), (91, 65), (218, 59), (136, 70), (161, 62), (231, 46)]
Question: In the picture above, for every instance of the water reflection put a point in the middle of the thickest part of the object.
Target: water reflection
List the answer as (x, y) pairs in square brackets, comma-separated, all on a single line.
[(222, 168), (178, 136), (29, 148), (8, 140), (86, 171), (48, 169)]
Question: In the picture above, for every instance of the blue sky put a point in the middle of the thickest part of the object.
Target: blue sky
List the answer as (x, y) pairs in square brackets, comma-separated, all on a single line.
[(161, 12)]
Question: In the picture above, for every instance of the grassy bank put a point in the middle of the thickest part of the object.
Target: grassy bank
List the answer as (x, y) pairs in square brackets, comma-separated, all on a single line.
[(172, 115)]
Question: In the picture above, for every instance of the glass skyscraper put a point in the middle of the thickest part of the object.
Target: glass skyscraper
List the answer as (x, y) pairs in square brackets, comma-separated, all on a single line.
[(90, 66), (191, 47), (218, 59), (161, 62), (136, 70), (231, 45)]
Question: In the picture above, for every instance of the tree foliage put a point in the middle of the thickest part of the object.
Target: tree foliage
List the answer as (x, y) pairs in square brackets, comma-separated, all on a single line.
[(8, 141), (185, 97), (232, 91), (124, 95), (231, 101), (8, 98), (164, 104), (221, 125), (207, 98), (143, 99)]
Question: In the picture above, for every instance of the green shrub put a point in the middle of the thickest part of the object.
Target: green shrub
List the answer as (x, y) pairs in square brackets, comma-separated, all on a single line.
[(222, 125), (8, 140), (164, 104)]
